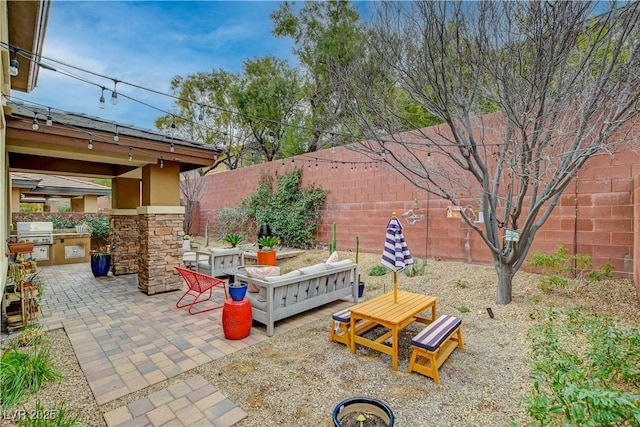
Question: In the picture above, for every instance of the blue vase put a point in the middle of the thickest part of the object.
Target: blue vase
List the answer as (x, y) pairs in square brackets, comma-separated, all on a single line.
[(100, 265), (237, 291)]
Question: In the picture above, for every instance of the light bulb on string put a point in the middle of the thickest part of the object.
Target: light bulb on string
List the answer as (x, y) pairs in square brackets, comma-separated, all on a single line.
[(171, 147), (114, 94), (35, 125), (161, 162), (116, 136), (333, 146), (201, 115), (90, 144), (14, 65), (101, 103), (49, 119), (130, 154)]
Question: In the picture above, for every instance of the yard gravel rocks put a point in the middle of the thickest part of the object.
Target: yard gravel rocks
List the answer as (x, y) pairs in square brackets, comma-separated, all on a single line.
[(297, 378)]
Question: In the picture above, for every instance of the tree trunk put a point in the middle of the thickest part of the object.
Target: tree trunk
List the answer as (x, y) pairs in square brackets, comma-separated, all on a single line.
[(505, 277)]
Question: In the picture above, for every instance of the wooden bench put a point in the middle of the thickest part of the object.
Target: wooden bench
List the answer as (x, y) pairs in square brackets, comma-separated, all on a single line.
[(433, 345), (341, 324)]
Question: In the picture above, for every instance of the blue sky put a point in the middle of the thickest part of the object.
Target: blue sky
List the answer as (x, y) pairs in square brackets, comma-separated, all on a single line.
[(147, 43)]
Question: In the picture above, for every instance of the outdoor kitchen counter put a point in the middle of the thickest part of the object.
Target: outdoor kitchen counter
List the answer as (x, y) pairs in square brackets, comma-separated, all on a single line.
[(70, 247)]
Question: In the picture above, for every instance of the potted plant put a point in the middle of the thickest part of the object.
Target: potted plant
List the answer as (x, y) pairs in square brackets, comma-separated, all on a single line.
[(267, 253), (263, 231), (237, 290), (233, 239), (100, 261)]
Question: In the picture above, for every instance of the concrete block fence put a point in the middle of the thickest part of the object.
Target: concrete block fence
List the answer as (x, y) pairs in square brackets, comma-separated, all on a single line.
[(598, 215)]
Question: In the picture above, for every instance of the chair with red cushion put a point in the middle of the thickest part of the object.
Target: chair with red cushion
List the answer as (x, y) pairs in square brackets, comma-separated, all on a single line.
[(199, 284)]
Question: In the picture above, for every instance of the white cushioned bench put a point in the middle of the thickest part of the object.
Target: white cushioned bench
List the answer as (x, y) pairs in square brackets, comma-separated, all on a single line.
[(283, 296), (433, 345)]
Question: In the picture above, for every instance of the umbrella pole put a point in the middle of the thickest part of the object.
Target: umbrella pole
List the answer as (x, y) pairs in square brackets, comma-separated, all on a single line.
[(395, 287)]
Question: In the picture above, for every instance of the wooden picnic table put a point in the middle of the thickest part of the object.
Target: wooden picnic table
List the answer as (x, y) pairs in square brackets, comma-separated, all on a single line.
[(395, 316)]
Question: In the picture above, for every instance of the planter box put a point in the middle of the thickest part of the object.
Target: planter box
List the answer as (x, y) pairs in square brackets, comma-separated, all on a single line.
[(20, 247)]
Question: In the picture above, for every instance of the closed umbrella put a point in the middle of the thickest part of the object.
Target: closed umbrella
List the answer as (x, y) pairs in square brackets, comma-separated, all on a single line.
[(395, 255)]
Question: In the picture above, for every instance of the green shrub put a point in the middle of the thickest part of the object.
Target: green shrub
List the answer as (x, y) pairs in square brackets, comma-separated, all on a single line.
[(23, 373), (557, 265), (377, 270), (416, 269), (99, 228), (585, 371), (292, 212)]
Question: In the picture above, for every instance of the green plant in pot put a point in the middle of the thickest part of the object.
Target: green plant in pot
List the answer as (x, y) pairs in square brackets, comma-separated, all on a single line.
[(233, 239), (100, 261), (267, 255)]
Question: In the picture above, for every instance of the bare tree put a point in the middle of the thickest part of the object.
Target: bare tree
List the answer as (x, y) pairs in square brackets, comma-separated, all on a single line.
[(563, 85), (191, 184)]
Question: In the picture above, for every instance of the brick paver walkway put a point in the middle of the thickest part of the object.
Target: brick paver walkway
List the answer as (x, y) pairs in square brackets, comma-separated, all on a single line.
[(127, 341)]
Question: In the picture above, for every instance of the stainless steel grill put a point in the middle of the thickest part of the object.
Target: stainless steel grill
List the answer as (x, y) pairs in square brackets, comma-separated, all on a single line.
[(40, 233)]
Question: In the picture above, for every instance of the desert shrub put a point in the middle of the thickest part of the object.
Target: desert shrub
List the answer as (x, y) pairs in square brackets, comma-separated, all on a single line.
[(585, 370), (416, 269), (232, 221), (377, 270), (557, 266)]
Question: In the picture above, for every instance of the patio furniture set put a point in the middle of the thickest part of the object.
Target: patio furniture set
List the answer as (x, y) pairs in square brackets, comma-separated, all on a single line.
[(274, 297), (394, 311)]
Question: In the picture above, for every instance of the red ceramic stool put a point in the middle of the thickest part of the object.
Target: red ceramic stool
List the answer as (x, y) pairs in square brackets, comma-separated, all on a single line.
[(236, 319)]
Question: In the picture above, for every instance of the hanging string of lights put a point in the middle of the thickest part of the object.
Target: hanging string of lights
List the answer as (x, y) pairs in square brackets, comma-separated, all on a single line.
[(196, 104)]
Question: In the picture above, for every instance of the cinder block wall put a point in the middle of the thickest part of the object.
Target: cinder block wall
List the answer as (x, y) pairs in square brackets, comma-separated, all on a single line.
[(595, 216), (636, 233)]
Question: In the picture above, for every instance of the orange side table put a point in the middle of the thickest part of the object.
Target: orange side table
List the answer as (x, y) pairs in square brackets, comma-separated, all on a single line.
[(236, 319)]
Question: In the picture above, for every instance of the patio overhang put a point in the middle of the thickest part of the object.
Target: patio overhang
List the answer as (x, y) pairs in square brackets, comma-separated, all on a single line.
[(27, 22), (63, 148)]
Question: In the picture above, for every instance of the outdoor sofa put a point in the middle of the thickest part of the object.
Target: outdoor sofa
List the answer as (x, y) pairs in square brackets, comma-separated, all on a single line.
[(279, 297)]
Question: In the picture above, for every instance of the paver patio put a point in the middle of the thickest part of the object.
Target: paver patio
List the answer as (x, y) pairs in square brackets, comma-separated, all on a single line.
[(126, 341)]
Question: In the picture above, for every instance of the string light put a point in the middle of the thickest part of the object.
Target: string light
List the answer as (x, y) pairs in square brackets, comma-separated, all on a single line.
[(35, 125), (90, 145), (49, 119), (101, 103), (201, 115), (116, 136), (114, 94), (161, 162), (171, 147), (130, 154), (14, 65)]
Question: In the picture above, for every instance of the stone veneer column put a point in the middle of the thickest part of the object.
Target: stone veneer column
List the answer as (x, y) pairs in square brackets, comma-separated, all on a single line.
[(160, 229), (125, 241)]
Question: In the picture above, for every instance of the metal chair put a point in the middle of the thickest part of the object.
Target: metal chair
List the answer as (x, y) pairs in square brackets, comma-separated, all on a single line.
[(199, 284)]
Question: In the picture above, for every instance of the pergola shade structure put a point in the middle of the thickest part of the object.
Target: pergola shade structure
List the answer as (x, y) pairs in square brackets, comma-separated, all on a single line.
[(145, 166)]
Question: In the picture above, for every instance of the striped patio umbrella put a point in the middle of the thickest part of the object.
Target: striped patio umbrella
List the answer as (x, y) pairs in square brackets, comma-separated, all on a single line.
[(395, 255)]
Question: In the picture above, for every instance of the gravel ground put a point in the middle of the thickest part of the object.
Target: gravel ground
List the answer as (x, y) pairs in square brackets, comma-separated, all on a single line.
[(299, 377)]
